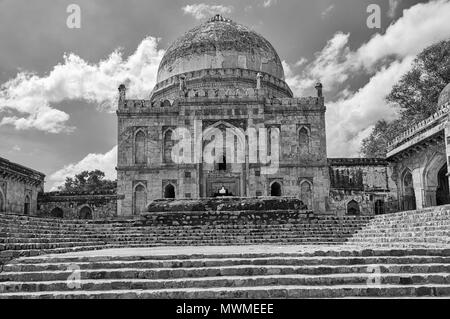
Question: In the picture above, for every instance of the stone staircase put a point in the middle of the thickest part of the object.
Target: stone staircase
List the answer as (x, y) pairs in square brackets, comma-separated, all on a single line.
[(429, 227), (319, 273), (405, 254), (29, 236)]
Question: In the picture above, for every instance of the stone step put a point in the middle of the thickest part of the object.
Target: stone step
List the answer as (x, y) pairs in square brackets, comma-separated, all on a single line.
[(178, 230), (211, 262), (21, 246), (305, 226), (45, 238), (175, 240), (248, 270), (229, 281), (257, 292), (330, 251), (387, 239), (174, 231)]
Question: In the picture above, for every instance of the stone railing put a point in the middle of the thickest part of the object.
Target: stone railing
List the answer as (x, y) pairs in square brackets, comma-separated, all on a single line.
[(357, 161), (222, 73), (430, 121), (8, 168), (196, 95)]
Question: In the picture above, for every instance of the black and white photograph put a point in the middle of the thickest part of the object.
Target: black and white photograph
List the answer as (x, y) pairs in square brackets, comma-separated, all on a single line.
[(224, 155)]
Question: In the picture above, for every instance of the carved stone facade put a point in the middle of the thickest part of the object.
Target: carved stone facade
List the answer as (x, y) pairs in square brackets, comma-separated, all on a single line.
[(210, 91), (361, 186), (19, 188), (78, 205), (420, 160)]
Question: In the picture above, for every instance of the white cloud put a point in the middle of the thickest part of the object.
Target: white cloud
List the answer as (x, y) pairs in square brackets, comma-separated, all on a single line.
[(16, 148), (269, 3), (352, 116), (419, 27), (202, 11), (301, 62), (329, 66), (327, 11), (29, 99), (393, 4), (104, 162)]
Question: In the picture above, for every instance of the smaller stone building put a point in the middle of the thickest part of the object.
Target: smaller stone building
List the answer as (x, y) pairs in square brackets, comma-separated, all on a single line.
[(79, 205), (19, 188), (420, 159), (361, 186)]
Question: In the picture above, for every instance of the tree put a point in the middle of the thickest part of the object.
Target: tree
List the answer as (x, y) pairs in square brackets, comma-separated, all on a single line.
[(88, 181), (416, 95)]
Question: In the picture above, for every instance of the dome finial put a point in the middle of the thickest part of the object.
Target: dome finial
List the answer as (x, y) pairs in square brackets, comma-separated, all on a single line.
[(219, 17), (319, 89)]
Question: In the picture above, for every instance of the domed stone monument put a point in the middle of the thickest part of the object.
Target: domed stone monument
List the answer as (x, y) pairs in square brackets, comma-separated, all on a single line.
[(221, 116)]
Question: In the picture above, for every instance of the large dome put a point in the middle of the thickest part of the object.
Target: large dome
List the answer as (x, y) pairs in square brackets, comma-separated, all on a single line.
[(444, 97), (220, 44)]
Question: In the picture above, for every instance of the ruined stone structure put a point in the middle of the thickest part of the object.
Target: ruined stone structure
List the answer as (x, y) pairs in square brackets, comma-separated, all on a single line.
[(361, 186), (221, 77), (19, 188), (420, 159), (78, 205)]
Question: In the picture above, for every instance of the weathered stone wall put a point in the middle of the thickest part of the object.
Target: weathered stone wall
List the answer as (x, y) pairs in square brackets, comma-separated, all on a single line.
[(423, 164), (19, 185), (81, 205), (366, 181), (238, 110)]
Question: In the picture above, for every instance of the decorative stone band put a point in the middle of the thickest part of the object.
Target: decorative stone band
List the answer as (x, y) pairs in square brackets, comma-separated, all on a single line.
[(357, 162), (222, 74), (19, 172), (419, 127), (211, 97), (72, 198)]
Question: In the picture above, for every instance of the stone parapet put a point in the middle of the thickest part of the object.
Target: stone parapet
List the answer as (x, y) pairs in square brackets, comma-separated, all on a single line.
[(420, 128), (12, 170), (235, 75)]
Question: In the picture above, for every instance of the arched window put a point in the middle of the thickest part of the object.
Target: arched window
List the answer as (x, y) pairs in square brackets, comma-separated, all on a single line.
[(303, 140), (306, 194), (442, 191), (140, 199), (85, 213), (275, 189), (408, 201), (26, 209), (273, 140), (57, 212), (169, 191), (353, 207), (2, 202), (139, 148), (223, 164), (168, 145)]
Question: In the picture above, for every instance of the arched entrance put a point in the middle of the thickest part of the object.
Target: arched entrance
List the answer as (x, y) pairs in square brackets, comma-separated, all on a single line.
[(85, 213), (275, 189), (306, 194), (408, 200), (57, 212), (140, 199), (442, 191), (379, 207), (169, 191), (353, 207), (26, 209)]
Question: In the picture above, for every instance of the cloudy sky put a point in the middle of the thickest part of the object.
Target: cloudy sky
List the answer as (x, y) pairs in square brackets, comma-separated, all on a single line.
[(58, 85)]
